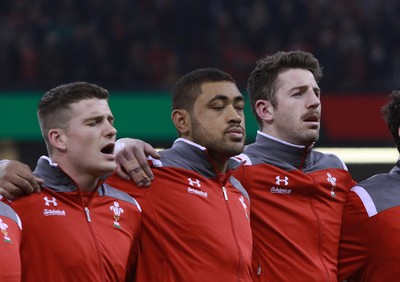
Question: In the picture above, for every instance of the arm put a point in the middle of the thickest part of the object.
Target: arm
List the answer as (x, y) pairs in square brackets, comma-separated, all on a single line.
[(354, 241), (132, 162), (16, 179)]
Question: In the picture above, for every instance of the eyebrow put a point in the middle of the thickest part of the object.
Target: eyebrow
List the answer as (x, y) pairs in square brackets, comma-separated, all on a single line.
[(304, 87), (224, 97), (99, 117)]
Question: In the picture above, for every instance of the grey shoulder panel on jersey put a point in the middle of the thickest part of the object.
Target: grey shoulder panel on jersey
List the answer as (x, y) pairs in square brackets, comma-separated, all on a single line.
[(185, 158), (384, 190), (236, 183), (109, 191), (320, 161), (7, 211)]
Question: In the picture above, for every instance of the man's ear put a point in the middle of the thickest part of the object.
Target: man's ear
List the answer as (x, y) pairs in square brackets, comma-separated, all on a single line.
[(57, 138), (181, 120), (265, 110)]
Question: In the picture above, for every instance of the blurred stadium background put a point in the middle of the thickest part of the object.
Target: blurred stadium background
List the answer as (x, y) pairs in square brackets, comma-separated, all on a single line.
[(137, 49)]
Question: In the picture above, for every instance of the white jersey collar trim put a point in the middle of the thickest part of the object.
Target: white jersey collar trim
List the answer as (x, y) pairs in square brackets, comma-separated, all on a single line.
[(190, 143)]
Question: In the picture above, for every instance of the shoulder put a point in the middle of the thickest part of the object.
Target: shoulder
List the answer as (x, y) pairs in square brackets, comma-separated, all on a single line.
[(109, 191), (378, 193), (7, 211), (380, 179), (327, 160)]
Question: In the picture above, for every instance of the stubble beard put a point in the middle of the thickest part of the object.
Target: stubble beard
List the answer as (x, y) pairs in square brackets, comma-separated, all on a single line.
[(215, 145), (309, 138)]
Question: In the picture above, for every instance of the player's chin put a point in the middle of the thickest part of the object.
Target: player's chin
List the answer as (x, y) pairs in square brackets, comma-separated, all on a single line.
[(236, 147), (313, 136), (107, 167)]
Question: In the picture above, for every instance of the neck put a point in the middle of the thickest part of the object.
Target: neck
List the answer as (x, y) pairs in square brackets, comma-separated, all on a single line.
[(220, 163), (283, 141), (85, 181)]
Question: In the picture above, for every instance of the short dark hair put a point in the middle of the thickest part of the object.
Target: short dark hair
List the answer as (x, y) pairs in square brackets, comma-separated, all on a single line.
[(188, 88), (261, 84), (54, 105), (391, 115)]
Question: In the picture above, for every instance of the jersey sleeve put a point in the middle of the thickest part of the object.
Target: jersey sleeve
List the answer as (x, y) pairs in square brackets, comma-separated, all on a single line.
[(355, 236)]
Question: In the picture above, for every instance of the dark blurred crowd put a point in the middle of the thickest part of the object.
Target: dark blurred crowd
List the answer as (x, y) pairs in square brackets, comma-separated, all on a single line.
[(149, 44)]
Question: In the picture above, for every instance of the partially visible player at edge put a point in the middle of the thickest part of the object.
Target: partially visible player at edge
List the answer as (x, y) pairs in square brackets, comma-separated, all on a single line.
[(79, 228)]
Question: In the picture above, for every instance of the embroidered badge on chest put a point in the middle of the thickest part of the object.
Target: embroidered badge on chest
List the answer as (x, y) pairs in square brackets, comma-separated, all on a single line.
[(332, 180), (118, 211), (4, 227), (246, 212)]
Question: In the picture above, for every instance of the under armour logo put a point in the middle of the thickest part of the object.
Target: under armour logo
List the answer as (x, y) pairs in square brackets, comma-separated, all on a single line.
[(52, 201), (194, 182), (285, 180)]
